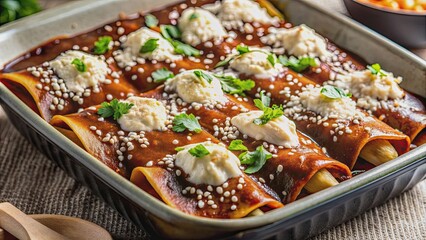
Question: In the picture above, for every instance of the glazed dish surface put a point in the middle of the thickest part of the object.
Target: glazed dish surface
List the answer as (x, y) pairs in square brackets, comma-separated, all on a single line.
[(219, 109)]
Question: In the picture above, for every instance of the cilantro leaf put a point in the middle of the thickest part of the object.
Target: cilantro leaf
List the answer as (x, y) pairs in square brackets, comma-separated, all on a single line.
[(151, 21), (376, 69), (199, 151), (202, 75), (170, 32), (297, 64), (269, 113), (224, 62), (184, 121), (233, 85), (237, 145), (272, 59), (115, 108), (242, 49), (185, 49), (102, 45), (79, 65), (254, 160), (149, 46), (263, 102), (193, 16), (178, 149), (334, 92), (161, 75)]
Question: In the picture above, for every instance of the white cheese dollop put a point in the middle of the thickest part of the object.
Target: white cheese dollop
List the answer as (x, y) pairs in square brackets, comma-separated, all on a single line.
[(256, 63), (75, 81), (233, 13), (192, 88), (147, 114), (280, 131), (164, 51), (342, 108), (298, 41), (213, 169), (369, 88), (199, 25)]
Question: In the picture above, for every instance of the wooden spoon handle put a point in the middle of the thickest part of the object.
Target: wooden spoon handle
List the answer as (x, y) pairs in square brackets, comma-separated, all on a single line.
[(24, 227)]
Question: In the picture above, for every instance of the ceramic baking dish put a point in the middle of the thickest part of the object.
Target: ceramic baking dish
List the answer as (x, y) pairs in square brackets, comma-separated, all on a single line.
[(298, 220)]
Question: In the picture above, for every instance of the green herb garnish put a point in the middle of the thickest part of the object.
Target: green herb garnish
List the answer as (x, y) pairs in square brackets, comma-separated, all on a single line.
[(233, 85), (11, 10), (102, 45), (242, 49), (194, 16), (79, 65), (149, 46), (184, 121), (254, 160), (199, 151), (376, 69), (334, 92), (202, 75), (170, 32), (269, 113), (178, 149), (272, 59), (185, 49), (151, 21), (162, 75), (297, 64), (114, 108), (237, 145)]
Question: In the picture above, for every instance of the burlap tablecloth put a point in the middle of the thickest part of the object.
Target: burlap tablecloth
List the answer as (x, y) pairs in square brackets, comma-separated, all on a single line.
[(35, 185)]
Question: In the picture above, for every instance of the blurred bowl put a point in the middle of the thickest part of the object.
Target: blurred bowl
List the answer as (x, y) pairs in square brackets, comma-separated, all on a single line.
[(408, 28)]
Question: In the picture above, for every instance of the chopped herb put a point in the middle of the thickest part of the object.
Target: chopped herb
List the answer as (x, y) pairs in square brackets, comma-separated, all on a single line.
[(102, 45), (161, 75), (242, 49), (151, 21), (334, 92), (149, 46), (170, 32), (237, 145), (224, 62), (297, 64), (255, 160), (376, 69), (194, 16), (184, 121), (233, 85), (114, 108), (202, 75), (184, 49), (272, 59), (199, 151), (178, 149), (269, 113), (79, 65)]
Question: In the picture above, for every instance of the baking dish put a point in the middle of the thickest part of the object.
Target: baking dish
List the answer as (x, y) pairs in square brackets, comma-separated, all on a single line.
[(146, 211)]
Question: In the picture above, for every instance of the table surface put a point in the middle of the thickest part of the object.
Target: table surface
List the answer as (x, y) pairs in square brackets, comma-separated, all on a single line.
[(44, 188)]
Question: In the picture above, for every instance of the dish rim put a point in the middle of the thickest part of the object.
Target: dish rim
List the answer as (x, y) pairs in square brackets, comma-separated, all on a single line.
[(389, 10), (152, 205)]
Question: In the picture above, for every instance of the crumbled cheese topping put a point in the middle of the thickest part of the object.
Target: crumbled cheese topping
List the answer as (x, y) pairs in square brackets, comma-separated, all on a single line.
[(213, 169), (280, 131), (342, 108), (147, 114), (256, 63), (233, 13), (135, 40), (369, 88), (75, 81), (298, 41), (192, 88), (199, 25)]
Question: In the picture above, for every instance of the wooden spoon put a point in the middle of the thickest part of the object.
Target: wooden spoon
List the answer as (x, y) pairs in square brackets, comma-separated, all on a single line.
[(46, 227)]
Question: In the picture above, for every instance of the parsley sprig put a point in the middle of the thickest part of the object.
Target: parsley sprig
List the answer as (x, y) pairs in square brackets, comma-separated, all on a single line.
[(151, 21), (172, 33), (79, 65), (376, 69), (184, 121), (237, 145), (233, 85), (199, 151), (149, 46), (102, 45), (254, 160), (202, 75), (242, 49), (269, 113), (162, 75), (115, 109), (297, 64), (333, 92)]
